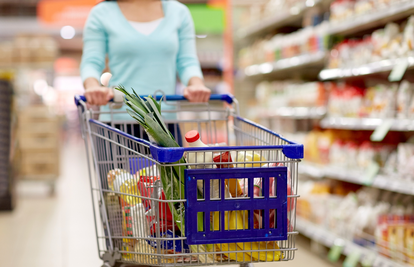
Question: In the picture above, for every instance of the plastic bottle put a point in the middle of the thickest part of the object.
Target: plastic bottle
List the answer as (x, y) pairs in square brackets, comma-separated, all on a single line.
[(193, 139)]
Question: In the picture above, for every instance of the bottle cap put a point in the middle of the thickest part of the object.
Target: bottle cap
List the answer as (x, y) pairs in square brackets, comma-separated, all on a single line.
[(192, 136)]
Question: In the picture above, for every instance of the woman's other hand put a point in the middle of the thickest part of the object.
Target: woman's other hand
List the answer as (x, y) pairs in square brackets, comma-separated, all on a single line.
[(96, 94), (196, 91)]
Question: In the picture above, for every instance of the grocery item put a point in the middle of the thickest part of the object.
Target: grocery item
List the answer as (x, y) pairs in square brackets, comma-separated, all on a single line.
[(249, 156), (232, 184), (237, 220), (122, 181)]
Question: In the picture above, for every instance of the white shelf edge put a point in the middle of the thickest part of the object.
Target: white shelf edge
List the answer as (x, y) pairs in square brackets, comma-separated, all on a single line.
[(298, 113), (374, 18), (381, 181), (328, 238), (400, 125), (366, 69), (285, 64)]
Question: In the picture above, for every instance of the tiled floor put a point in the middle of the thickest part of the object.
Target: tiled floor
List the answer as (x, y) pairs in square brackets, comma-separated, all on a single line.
[(59, 231)]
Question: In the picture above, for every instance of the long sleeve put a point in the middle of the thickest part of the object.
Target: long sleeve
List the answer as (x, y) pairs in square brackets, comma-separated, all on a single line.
[(94, 48), (188, 65)]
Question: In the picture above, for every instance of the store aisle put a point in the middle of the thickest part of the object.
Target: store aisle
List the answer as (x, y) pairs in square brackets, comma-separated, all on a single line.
[(59, 231)]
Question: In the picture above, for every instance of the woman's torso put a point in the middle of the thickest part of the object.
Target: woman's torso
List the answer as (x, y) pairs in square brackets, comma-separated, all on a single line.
[(146, 63)]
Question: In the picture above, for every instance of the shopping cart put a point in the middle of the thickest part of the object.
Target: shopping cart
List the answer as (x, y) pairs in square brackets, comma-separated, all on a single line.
[(239, 208)]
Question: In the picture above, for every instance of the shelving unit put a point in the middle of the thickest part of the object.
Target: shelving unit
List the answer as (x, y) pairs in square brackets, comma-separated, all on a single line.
[(294, 63), (363, 70), (382, 181), (329, 239), (355, 26), (374, 19)]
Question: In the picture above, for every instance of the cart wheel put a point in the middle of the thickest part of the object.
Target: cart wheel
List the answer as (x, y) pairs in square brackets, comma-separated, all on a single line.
[(246, 264)]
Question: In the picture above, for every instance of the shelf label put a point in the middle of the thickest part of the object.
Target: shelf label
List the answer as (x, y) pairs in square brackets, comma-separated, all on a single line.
[(382, 130), (398, 71), (352, 259), (370, 173), (336, 250)]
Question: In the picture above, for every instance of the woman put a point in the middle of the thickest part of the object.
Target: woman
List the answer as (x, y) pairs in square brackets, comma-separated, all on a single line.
[(147, 43)]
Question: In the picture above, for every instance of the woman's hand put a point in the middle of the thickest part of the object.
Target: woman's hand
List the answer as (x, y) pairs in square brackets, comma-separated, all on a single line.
[(196, 91), (96, 94)]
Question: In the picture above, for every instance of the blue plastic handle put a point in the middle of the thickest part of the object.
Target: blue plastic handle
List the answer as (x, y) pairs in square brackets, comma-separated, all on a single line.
[(226, 97)]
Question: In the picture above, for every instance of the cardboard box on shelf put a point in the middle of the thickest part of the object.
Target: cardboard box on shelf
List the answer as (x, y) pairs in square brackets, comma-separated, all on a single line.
[(38, 141)]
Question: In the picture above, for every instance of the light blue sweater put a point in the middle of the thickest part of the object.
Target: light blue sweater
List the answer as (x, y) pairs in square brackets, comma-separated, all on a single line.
[(145, 63)]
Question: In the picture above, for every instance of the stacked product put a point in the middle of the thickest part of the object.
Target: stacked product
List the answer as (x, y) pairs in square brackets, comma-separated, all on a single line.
[(347, 150), (380, 101), (379, 220), (267, 9), (394, 41), (292, 94), (38, 134), (281, 46), (347, 10), (28, 49)]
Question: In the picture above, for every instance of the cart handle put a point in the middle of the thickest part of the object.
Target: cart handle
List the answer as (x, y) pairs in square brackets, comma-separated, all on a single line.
[(225, 97)]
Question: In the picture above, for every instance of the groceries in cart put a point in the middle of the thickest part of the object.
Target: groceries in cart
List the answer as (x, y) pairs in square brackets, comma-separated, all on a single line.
[(202, 204)]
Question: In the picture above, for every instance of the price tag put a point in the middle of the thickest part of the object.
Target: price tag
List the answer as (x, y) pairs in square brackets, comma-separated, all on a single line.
[(336, 250), (382, 130), (352, 259), (370, 173), (368, 260), (398, 71)]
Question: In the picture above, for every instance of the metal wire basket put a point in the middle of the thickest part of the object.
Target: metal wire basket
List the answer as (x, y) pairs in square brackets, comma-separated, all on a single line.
[(239, 200)]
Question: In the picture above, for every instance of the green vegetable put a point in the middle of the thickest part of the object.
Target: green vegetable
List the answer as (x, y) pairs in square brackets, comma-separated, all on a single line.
[(147, 112)]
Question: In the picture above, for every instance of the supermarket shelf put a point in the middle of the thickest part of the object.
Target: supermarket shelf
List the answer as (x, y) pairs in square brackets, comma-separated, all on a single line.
[(400, 125), (367, 69), (302, 61), (387, 182), (327, 238), (373, 19), (298, 113), (279, 19)]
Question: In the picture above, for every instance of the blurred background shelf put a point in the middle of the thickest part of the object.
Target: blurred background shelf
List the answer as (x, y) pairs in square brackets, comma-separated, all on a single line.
[(281, 18), (392, 183), (366, 69), (299, 63), (375, 18), (402, 125), (298, 113), (329, 239)]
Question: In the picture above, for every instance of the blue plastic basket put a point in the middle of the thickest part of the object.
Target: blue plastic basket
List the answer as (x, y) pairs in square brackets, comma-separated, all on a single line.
[(264, 204)]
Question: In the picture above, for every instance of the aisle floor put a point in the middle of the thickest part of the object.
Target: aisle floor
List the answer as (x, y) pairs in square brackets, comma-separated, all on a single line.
[(58, 231)]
